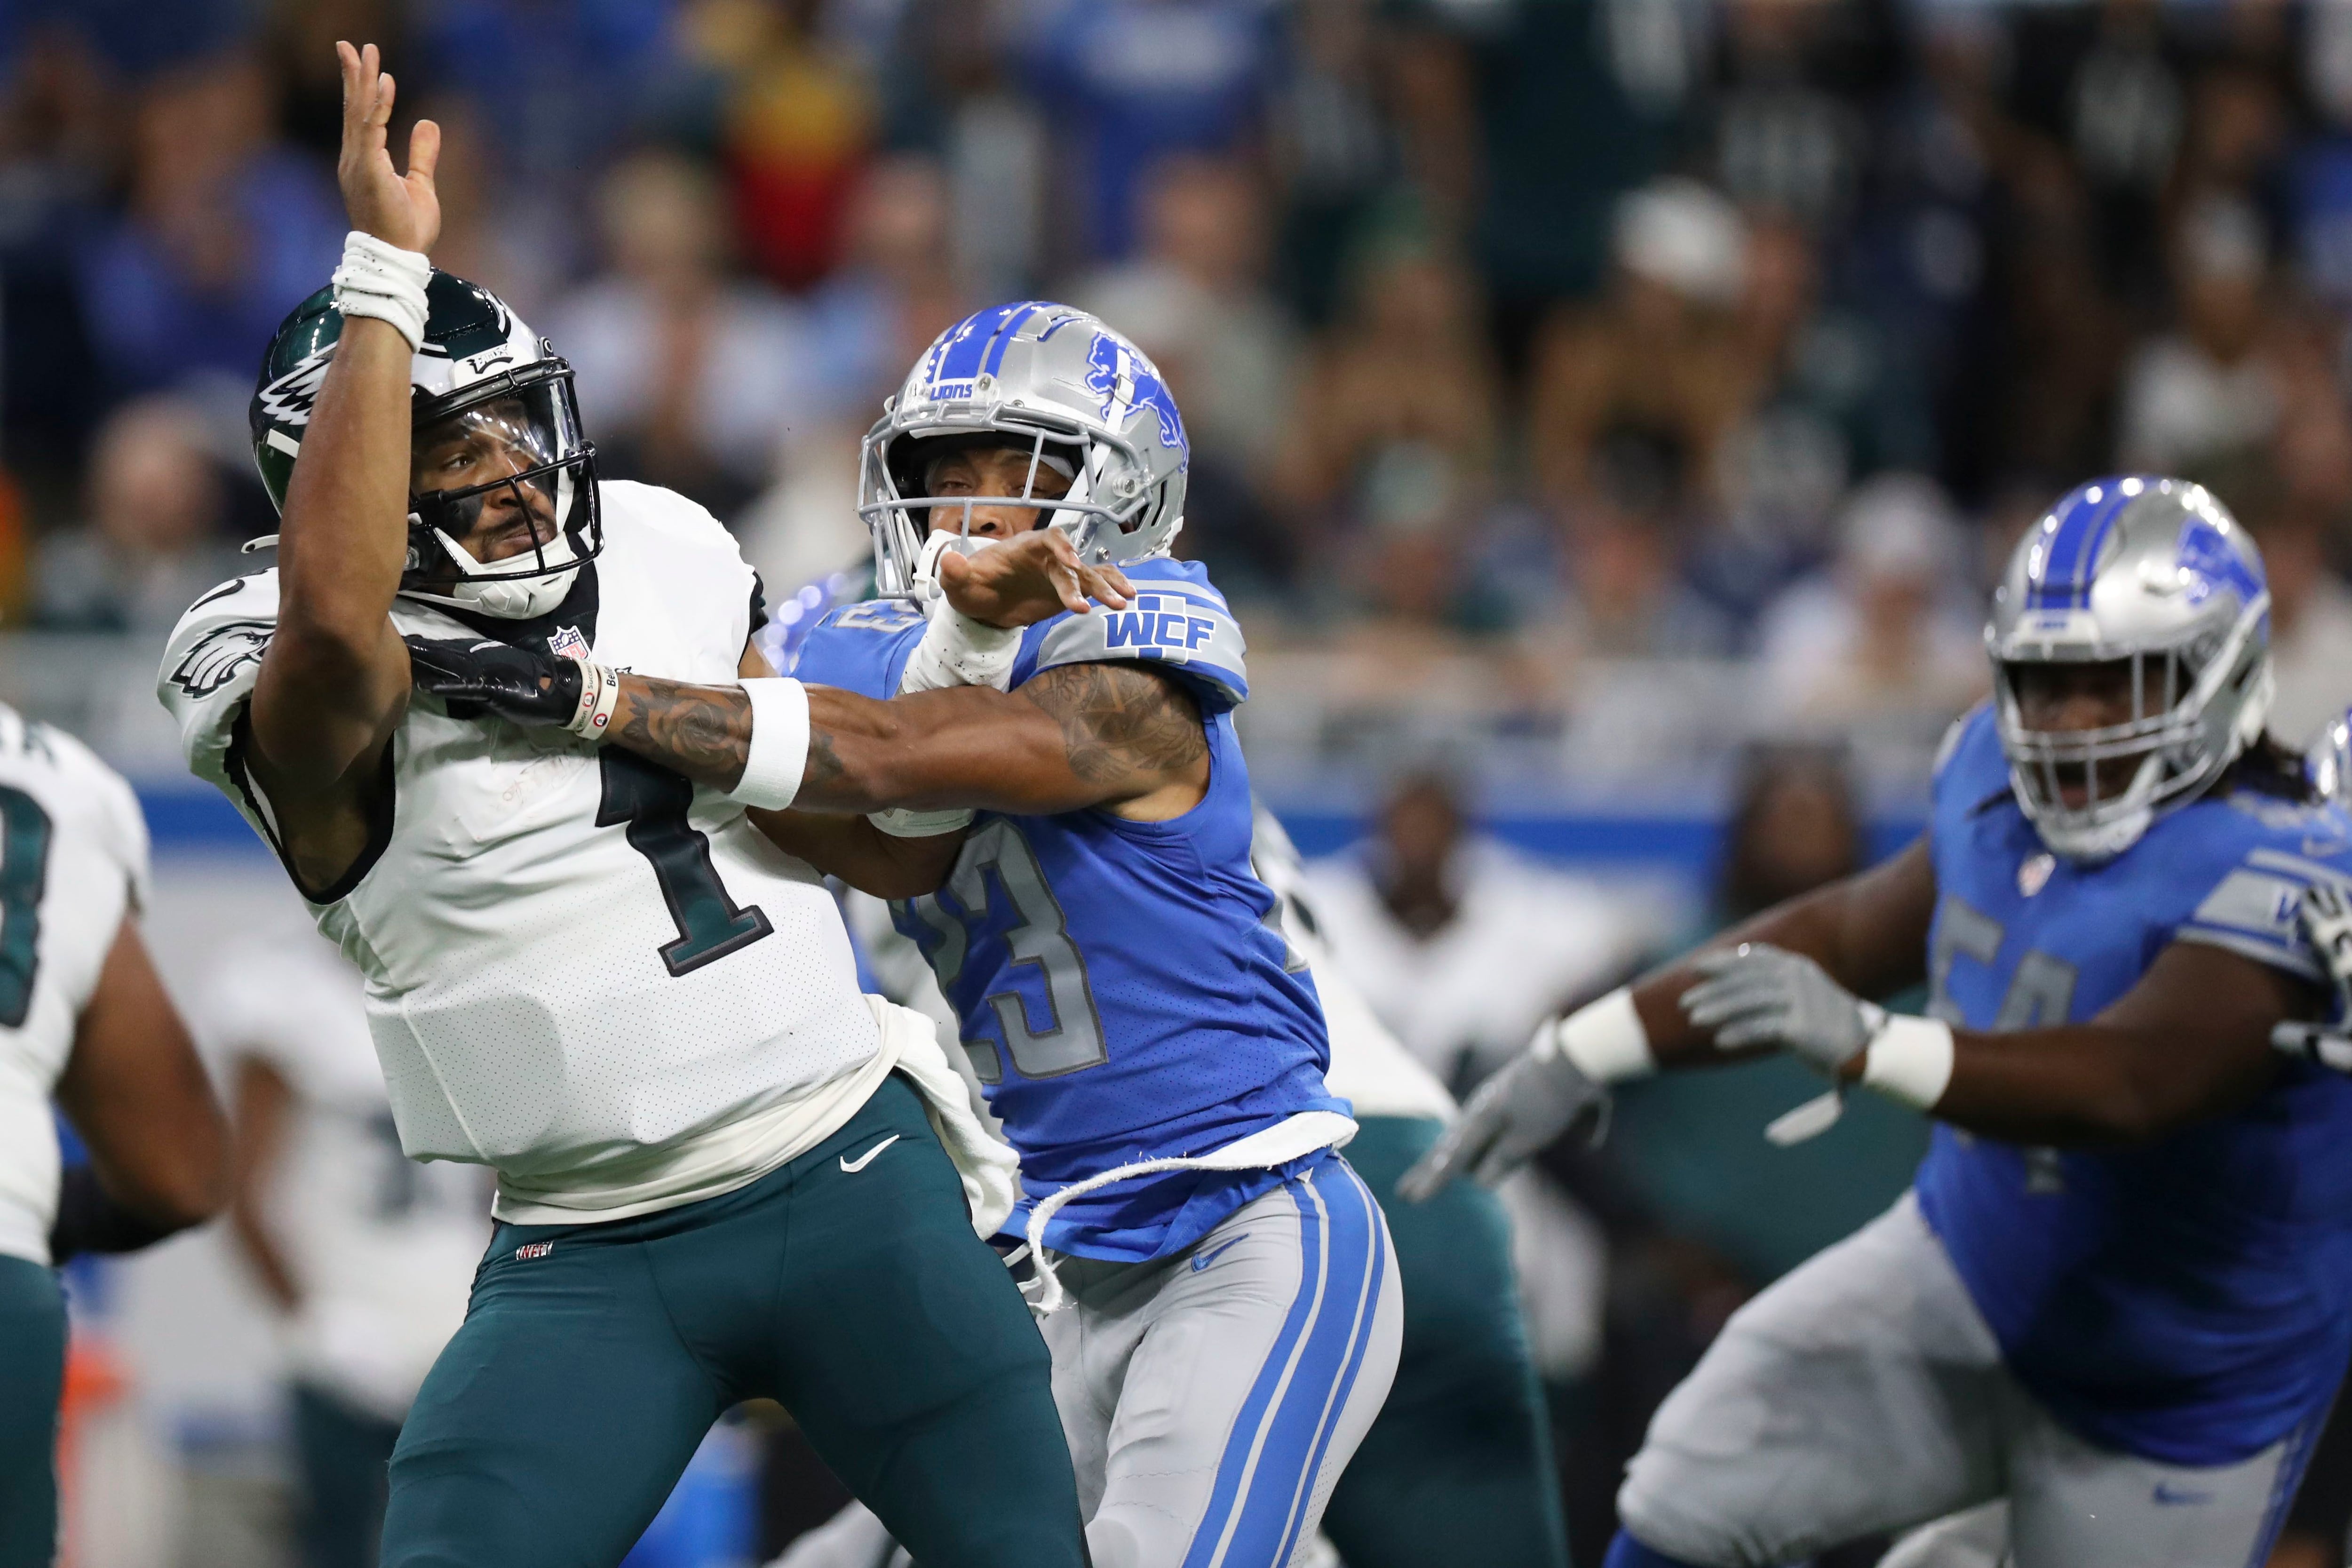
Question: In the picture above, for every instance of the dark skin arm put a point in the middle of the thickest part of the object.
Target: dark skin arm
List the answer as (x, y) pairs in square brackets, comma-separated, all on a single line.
[(1120, 736), (1869, 931), (265, 1104), (2190, 1041), (137, 1095), (851, 847), (334, 681)]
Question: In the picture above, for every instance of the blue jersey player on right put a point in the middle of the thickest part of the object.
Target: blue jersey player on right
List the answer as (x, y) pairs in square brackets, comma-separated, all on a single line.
[(2120, 1293)]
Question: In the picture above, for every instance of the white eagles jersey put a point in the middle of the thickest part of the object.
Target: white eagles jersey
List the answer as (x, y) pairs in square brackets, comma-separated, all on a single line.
[(1370, 1068), (382, 1248), (73, 865), (581, 969)]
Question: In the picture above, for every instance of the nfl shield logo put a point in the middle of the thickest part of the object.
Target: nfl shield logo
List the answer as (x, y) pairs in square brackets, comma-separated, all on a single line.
[(2033, 874), (567, 643)]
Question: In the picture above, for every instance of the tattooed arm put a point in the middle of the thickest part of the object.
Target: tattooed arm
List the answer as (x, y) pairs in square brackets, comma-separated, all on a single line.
[(1123, 737)]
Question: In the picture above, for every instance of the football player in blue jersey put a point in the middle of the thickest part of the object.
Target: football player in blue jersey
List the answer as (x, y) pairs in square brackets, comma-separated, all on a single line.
[(2117, 1295), (1059, 804)]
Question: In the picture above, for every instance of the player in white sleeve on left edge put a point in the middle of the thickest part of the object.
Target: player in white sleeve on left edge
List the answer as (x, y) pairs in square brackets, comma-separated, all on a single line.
[(87, 1028)]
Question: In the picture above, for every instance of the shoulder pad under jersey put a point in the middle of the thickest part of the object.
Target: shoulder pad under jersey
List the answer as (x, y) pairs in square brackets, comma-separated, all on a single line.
[(1177, 620), (210, 664), (2274, 849)]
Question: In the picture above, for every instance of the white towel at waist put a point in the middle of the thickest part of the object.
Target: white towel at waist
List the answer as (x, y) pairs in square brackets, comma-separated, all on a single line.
[(1261, 1151)]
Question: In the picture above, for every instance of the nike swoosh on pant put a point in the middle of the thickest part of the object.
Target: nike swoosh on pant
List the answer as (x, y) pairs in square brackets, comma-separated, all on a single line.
[(1202, 1259), (854, 1166)]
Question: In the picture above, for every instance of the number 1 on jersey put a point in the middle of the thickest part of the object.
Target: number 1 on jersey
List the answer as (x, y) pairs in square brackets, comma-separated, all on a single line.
[(653, 801)]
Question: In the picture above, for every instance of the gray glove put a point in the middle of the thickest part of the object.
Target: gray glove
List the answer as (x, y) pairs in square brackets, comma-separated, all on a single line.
[(1518, 1111), (1758, 994), (2326, 918)]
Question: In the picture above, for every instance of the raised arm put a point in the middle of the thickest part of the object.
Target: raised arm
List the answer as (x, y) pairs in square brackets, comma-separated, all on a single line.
[(335, 679)]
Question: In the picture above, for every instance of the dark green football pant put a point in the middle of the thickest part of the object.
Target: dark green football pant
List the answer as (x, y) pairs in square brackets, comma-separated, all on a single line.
[(32, 1380), (1457, 1472), (557, 1420)]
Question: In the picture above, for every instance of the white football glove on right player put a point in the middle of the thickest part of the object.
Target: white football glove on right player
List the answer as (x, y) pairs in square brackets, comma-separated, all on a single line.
[(2326, 918)]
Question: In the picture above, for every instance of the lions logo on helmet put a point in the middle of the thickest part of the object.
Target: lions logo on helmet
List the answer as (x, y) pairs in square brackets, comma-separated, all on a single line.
[(2152, 577), (481, 378), (1059, 382)]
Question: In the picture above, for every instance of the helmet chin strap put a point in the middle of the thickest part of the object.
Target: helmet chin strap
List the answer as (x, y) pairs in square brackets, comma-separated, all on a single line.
[(510, 598)]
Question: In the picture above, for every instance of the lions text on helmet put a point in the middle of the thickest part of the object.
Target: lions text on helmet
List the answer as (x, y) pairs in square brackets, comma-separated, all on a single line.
[(1095, 429), (502, 493), (2130, 643)]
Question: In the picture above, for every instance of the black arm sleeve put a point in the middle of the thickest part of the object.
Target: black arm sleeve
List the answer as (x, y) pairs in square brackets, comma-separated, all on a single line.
[(89, 1221)]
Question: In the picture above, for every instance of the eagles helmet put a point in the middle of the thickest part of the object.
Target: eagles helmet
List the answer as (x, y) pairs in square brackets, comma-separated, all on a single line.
[(2155, 573), (481, 384), (1078, 396)]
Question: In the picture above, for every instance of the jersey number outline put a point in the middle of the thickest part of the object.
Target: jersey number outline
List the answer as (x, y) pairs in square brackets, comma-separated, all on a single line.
[(24, 835), (653, 801), (2040, 995), (1072, 1040)]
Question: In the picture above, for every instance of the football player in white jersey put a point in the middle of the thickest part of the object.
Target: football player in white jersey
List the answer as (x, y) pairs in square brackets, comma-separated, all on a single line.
[(722, 1172), (85, 1025), (366, 1254)]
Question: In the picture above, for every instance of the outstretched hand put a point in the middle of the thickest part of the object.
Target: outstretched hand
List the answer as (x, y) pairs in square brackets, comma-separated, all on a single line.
[(1032, 577), (399, 209)]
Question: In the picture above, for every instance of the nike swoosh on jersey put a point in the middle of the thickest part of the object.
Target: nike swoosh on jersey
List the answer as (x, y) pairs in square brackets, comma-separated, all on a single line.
[(854, 1166), (2170, 1496), (1202, 1259)]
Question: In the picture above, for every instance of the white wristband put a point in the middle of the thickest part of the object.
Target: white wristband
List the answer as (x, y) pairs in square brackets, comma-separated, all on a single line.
[(385, 283), (599, 693), (780, 744), (900, 822), (1911, 1061), (957, 650), (1605, 1039)]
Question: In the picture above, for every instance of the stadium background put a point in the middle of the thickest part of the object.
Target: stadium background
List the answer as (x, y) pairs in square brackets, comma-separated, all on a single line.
[(1606, 416)]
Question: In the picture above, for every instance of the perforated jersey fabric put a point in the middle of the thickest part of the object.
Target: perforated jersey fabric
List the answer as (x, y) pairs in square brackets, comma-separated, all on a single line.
[(576, 963)]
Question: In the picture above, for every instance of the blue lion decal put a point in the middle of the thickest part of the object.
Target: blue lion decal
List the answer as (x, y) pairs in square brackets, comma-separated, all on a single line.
[(1126, 382)]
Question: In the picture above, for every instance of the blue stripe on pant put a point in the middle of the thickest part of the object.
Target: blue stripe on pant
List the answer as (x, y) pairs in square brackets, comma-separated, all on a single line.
[(1266, 1476)]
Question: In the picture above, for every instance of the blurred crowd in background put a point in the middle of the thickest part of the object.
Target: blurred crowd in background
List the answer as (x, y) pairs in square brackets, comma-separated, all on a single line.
[(1618, 328), (1515, 338)]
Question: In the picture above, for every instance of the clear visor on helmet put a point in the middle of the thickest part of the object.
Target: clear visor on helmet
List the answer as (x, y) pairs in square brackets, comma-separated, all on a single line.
[(500, 475), (1083, 484)]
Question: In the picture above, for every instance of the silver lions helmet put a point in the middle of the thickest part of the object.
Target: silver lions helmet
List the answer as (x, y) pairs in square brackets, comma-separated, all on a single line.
[(1084, 401), (2153, 578)]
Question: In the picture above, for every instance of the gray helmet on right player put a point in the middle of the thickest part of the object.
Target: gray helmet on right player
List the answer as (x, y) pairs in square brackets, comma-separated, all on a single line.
[(2152, 572), (482, 386), (1056, 381)]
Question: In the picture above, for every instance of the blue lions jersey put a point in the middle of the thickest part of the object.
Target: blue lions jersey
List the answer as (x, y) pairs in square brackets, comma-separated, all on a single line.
[(1121, 988), (2188, 1300)]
